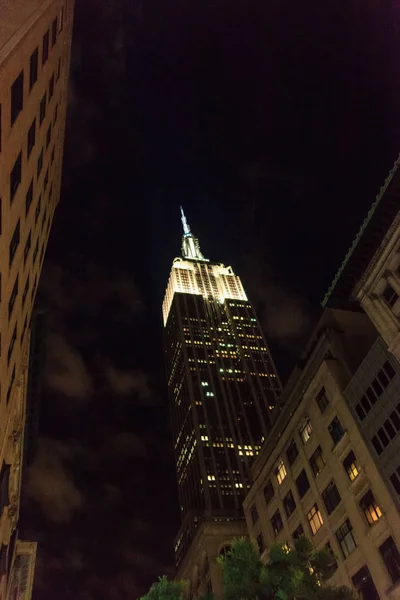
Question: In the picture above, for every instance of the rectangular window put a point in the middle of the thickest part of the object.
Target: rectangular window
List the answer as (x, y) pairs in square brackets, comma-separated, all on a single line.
[(360, 412), (45, 47), (333, 565), (336, 430), (377, 445), (383, 437), (17, 97), (33, 68), (36, 251), (268, 492), (302, 483), (370, 508), (12, 344), (298, 532), (331, 497), (305, 429), (40, 163), (378, 389), (350, 466), (390, 430), (27, 247), (15, 177), (48, 136), (28, 198), (292, 452), (345, 538), (395, 480), (26, 290), (280, 472), (51, 87), (38, 209), (54, 31), (394, 417), (365, 404), (13, 297), (55, 114), (289, 503), (383, 378), (315, 520), (276, 522), (370, 395), (322, 400), (389, 370), (317, 462), (391, 558), (42, 111), (390, 296), (58, 69), (31, 137), (254, 513), (46, 179), (14, 243), (364, 585)]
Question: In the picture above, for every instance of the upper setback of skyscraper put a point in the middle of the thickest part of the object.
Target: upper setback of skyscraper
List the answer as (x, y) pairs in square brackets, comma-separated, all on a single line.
[(222, 382), (35, 43)]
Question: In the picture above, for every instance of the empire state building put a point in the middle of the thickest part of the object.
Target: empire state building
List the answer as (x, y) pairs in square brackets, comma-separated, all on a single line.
[(222, 383)]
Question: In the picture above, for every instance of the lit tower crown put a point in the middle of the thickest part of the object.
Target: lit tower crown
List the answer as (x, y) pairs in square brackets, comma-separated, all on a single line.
[(190, 244)]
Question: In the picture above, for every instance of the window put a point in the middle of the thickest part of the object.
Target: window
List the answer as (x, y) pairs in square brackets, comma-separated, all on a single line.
[(302, 483), (33, 68), (35, 252), (333, 566), (317, 462), (254, 513), (17, 97), (27, 247), (55, 114), (289, 503), (276, 522), (395, 480), (42, 111), (331, 497), (29, 198), (350, 466), (383, 437), (31, 137), (360, 412), (391, 558), (376, 386), (292, 452), (377, 445), (13, 297), (268, 492), (298, 532), (58, 69), (48, 136), (260, 542), (15, 177), (24, 295), (38, 208), (370, 508), (314, 518), (364, 585), (389, 370), (390, 430), (11, 385), (54, 30), (336, 430), (40, 163), (305, 429), (46, 179), (394, 417), (14, 243), (280, 472), (322, 400), (390, 296), (45, 50), (383, 378), (345, 538), (51, 87), (12, 344), (4, 487)]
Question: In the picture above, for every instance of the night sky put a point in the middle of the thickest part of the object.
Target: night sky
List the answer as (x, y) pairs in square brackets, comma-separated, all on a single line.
[(274, 124)]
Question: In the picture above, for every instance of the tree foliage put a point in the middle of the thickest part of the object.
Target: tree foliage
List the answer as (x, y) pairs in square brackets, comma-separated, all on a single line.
[(163, 589)]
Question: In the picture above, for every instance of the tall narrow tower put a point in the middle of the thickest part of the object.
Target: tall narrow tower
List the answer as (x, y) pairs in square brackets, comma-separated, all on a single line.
[(223, 387)]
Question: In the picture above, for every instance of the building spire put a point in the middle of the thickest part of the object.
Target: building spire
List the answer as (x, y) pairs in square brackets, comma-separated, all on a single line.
[(190, 244)]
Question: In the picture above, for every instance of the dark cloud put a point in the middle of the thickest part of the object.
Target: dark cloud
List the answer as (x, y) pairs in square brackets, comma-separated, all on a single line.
[(66, 372)]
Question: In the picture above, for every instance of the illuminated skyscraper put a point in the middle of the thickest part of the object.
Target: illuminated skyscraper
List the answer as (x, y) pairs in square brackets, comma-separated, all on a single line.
[(222, 384)]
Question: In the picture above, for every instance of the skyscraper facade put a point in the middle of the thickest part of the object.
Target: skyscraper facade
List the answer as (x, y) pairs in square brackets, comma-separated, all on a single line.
[(35, 42), (223, 387)]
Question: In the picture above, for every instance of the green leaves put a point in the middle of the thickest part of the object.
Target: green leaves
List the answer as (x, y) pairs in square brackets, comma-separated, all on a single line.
[(164, 589)]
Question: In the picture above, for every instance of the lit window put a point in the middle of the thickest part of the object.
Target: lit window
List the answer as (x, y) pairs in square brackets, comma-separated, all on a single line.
[(305, 429), (315, 520), (350, 466), (280, 472), (370, 507)]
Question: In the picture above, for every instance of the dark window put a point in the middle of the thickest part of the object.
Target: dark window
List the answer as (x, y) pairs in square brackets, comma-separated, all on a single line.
[(370, 508), (54, 31), (42, 111), (365, 404), (391, 558), (376, 386), (27, 247), (12, 344), (55, 113), (14, 243), (260, 542), (336, 430), (390, 430), (370, 395), (13, 297), (333, 566), (305, 429), (58, 69), (51, 87), (25, 293), (351, 466), (314, 518), (317, 461), (395, 480), (4, 487), (394, 417), (48, 136), (11, 385), (390, 372), (254, 513), (377, 445), (268, 492), (360, 412), (322, 400), (33, 68), (289, 503), (331, 497), (302, 483), (29, 198), (390, 295), (383, 378), (276, 522), (292, 452), (45, 50), (364, 585), (298, 532), (40, 163), (46, 179), (31, 137), (36, 251), (15, 177), (383, 437), (346, 539), (38, 208), (17, 97)]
